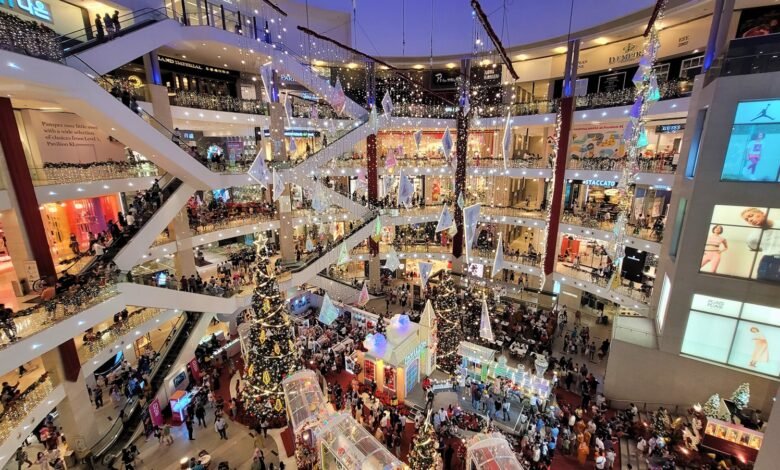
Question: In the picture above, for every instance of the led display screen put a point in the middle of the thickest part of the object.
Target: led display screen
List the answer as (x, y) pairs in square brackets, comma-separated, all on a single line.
[(753, 153), (730, 332), (743, 242)]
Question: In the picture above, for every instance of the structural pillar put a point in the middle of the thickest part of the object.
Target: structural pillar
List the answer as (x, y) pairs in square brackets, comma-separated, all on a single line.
[(461, 150), (277, 119), (559, 172), (76, 415), (24, 193), (184, 258), (157, 94), (770, 454), (372, 173), (286, 228)]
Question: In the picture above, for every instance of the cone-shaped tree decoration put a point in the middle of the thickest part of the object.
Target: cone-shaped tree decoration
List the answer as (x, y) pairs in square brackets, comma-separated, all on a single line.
[(273, 355), (448, 318), (423, 454)]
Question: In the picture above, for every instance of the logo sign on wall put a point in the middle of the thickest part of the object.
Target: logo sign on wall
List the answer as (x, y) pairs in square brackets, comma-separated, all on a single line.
[(629, 53), (34, 8), (444, 79), (669, 128)]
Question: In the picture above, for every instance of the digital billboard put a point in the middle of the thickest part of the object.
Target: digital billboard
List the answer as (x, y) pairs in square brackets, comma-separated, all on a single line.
[(753, 153)]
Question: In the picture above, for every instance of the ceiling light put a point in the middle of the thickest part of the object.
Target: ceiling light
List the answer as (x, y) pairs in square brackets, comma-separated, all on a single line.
[(418, 66), (560, 49), (484, 62), (352, 65), (522, 56), (601, 40), (451, 65)]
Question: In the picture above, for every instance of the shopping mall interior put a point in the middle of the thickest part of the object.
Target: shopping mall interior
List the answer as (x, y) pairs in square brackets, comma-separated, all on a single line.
[(334, 234)]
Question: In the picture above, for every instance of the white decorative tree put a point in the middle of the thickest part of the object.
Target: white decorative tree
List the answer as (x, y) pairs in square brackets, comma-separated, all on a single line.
[(741, 396), (711, 408)]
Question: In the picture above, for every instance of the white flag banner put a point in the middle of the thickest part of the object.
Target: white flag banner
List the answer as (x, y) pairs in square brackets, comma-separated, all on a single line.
[(418, 138), (470, 221), (314, 112), (446, 143), (445, 219), (466, 104), (506, 145), (267, 76), (461, 202), (425, 272), (405, 190), (373, 120), (259, 169), (485, 329), (393, 262), (391, 161), (288, 110), (343, 254), (498, 262), (293, 147), (339, 98), (309, 245), (318, 202), (388, 181), (363, 297), (328, 312), (387, 104), (278, 185)]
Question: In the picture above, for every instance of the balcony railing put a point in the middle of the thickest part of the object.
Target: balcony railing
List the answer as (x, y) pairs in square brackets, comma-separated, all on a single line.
[(68, 173), (108, 337), (745, 56), (189, 99), (660, 164), (16, 411), (652, 234)]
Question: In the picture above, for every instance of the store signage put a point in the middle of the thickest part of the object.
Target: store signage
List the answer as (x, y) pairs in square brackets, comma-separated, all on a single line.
[(487, 76), (192, 65), (444, 79), (630, 53), (602, 183), (294, 133), (155, 413), (669, 128), (415, 352), (34, 8)]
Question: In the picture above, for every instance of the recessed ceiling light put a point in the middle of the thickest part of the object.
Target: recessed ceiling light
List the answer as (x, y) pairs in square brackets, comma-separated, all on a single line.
[(451, 65), (601, 40), (418, 66), (560, 49)]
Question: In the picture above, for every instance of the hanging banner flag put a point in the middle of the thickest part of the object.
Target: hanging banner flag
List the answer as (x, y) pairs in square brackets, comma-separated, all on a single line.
[(461, 202), (388, 182), (405, 190), (485, 329), (425, 273), (506, 145), (314, 112), (387, 104), (393, 262), (293, 147), (267, 77), (445, 219), (318, 202), (309, 245), (446, 143), (338, 98), (278, 185), (343, 254), (453, 230), (391, 161), (470, 220), (498, 262), (377, 235), (373, 120), (328, 312), (418, 139), (363, 297), (259, 169), (464, 101)]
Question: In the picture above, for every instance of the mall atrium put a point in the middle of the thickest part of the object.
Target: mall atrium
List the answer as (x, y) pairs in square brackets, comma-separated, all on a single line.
[(384, 235)]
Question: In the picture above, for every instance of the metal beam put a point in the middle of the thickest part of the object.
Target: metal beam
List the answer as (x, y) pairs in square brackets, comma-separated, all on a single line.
[(275, 7), (493, 37)]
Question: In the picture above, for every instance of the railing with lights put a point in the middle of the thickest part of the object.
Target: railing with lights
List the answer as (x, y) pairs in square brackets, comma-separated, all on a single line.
[(97, 342), (68, 173), (654, 233), (658, 164), (15, 412), (191, 99)]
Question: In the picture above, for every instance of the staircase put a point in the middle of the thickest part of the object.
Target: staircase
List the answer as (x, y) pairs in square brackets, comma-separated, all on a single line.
[(110, 447)]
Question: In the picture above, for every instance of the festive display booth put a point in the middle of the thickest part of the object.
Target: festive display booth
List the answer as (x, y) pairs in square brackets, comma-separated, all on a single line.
[(306, 411), (490, 452), (478, 363), (345, 444), (732, 439), (396, 360)]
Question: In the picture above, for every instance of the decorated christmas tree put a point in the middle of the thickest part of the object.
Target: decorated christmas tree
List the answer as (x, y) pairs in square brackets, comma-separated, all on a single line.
[(380, 325), (448, 318), (741, 396), (661, 423), (272, 355), (711, 408), (423, 454)]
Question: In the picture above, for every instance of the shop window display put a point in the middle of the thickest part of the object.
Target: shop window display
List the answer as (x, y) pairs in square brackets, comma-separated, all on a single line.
[(730, 332), (743, 242), (752, 153)]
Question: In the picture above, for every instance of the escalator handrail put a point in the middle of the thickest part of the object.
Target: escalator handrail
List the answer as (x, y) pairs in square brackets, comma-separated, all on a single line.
[(153, 13)]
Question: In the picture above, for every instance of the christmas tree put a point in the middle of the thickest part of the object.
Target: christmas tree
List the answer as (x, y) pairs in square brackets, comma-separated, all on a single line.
[(273, 355), (423, 454), (448, 317), (711, 408), (741, 396), (380, 325), (661, 423)]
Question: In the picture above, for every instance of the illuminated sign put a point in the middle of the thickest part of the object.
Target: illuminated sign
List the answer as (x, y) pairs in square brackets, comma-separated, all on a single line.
[(603, 183), (669, 128), (34, 8), (295, 133), (415, 352), (631, 52), (191, 65)]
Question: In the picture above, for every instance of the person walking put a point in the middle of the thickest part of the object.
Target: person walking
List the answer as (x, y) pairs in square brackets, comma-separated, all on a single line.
[(188, 424), (220, 425), (200, 415), (21, 457), (109, 24), (99, 31)]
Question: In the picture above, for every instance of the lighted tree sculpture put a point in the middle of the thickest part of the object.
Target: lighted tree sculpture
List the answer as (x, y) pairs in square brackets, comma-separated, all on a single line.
[(448, 317)]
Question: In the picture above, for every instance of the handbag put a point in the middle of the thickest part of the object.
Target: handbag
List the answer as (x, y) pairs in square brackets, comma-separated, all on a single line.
[(769, 268)]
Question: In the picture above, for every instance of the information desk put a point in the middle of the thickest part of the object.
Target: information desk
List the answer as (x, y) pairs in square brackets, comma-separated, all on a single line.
[(180, 399)]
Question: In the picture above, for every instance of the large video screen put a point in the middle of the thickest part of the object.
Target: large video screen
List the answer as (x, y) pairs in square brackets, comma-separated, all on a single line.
[(730, 332), (753, 153), (743, 242)]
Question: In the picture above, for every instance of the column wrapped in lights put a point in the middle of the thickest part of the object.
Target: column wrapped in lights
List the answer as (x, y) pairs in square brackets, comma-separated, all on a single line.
[(635, 134), (549, 194)]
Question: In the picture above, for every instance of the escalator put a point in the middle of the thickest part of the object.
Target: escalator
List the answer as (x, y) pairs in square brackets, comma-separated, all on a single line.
[(109, 449)]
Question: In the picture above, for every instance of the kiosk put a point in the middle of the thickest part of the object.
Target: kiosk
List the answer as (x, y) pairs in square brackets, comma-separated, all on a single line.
[(491, 452), (345, 444)]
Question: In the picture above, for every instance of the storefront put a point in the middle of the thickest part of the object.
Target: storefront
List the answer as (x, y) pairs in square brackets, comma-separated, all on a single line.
[(664, 140), (481, 143), (397, 362), (77, 218), (181, 75)]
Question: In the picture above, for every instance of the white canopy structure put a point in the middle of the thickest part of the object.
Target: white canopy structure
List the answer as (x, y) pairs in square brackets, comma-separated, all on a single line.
[(347, 445), (305, 401), (491, 452)]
